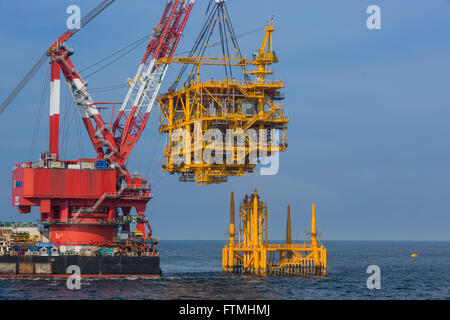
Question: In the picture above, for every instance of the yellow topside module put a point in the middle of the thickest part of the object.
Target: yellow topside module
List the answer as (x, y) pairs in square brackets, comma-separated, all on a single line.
[(221, 128)]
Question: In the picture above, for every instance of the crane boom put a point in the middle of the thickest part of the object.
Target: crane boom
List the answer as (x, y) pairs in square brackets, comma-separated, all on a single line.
[(145, 85), (60, 62), (84, 21), (115, 144), (82, 197)]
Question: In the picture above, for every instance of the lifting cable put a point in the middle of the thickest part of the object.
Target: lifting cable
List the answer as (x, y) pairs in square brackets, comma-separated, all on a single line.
[(224, 44), (131, 47), (150, 167), (242, 35), (109, 88), (197, 43), (23, 83), (94, 13), (45, 87), (235, 42), (233, 38), (221, 15), (200, 41)]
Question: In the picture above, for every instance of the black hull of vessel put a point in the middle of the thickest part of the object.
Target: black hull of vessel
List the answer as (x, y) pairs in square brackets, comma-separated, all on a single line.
[(90, 266)]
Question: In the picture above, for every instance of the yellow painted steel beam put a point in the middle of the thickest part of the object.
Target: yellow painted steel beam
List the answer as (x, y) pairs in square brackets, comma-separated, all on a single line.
[(208, 61)]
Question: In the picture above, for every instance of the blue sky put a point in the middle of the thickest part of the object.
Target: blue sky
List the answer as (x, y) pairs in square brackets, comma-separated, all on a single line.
[(369, 113)]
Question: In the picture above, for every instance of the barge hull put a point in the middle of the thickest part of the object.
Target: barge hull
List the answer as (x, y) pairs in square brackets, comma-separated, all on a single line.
[(92, 267)]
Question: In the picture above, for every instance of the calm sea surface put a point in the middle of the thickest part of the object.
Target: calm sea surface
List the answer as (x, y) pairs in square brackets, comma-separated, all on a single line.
[(192, 270)]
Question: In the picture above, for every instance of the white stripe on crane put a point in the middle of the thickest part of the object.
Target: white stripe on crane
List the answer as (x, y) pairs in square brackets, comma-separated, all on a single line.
[(55, 94)]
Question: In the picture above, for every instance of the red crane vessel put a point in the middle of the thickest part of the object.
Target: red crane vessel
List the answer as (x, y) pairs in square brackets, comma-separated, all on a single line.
[(88, 201)]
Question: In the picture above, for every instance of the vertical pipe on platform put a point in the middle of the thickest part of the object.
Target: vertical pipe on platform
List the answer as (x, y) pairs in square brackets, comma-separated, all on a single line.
[(246, 216), (254, 219), (230, 261), (260, 218), (263, 260), (314, 244), (288, 232), (225, 264), (256, 253)]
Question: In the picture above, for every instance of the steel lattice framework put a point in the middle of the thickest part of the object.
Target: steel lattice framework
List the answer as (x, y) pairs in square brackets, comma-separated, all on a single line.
[(248, 108), (116, 144)]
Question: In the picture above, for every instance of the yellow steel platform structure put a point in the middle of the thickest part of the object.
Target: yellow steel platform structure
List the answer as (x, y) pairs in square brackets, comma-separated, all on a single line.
[(208, 117), (250, 253)]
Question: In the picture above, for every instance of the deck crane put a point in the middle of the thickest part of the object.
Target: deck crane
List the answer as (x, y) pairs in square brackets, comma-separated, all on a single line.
[(80, 199)]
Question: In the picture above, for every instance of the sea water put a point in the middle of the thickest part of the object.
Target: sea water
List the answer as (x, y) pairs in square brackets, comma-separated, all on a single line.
[(192, 270)]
